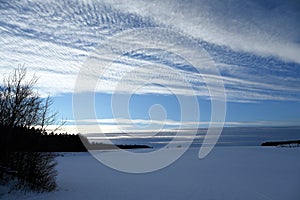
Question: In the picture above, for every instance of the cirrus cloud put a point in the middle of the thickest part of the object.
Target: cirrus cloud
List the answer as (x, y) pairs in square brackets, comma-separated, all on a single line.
[(254, 44)]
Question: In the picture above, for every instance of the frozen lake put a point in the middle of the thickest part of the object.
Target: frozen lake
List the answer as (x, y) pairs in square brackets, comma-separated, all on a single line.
[(259, 173)]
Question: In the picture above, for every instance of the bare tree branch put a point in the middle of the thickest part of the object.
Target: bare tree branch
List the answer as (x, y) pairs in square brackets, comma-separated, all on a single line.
[(20, 105)]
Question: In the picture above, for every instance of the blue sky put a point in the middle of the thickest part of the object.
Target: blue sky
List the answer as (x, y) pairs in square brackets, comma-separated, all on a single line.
[(255, 45)]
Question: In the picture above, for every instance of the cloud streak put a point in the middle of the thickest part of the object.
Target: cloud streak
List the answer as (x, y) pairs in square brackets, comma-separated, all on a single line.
[(254, 45), (260, 27), (145, 126)]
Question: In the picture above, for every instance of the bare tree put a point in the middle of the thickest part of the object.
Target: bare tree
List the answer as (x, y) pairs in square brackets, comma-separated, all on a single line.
[(21, 109), (20, 105)]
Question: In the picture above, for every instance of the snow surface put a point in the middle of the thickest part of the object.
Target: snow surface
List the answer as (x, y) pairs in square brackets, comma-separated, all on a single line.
[(226, 173)]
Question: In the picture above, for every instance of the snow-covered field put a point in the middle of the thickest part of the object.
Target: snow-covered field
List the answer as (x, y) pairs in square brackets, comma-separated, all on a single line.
[(226, 173)]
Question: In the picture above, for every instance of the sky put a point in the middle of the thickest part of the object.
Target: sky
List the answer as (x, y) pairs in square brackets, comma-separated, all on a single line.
[(143, 52)]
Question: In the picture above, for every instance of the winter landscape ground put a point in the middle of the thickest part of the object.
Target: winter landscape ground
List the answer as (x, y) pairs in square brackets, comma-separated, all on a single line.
[(226, 173)]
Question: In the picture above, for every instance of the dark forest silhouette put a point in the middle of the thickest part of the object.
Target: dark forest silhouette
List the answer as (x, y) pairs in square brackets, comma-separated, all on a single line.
[(30, 140), (22, 108), (27, 158), (290, 143)]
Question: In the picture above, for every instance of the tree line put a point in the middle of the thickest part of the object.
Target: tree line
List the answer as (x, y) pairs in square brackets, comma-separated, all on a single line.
[(27, 150), (37, 140), (290, 143)]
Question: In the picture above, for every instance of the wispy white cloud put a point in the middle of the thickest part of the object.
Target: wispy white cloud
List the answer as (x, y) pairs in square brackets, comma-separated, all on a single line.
[(240, 85), (53, 39), (130, 126), (260, 27)]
